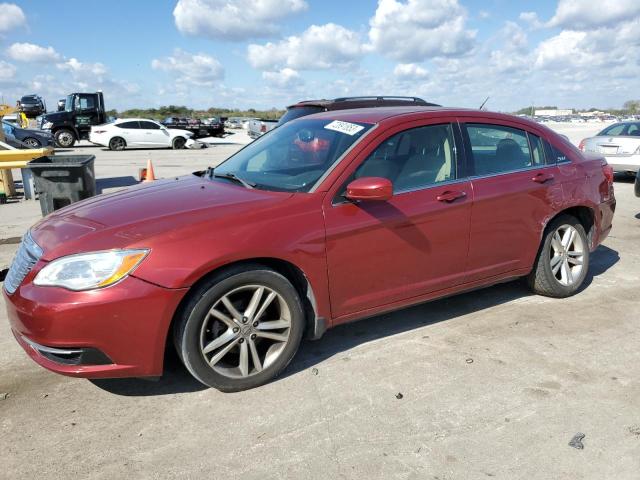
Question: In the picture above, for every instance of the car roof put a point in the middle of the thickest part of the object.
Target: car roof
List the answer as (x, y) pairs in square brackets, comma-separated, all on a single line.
[(378, 114), (120, 120)]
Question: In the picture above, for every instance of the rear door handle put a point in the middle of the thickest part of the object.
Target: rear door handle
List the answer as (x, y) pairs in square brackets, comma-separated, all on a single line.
[(450, 195), (542, 177)]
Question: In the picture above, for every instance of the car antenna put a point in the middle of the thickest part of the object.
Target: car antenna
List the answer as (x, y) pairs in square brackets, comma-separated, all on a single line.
[(483, 103)]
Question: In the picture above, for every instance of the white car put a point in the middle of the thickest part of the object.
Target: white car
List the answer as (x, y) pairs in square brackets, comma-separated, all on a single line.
[(138, 133), (619, 144)]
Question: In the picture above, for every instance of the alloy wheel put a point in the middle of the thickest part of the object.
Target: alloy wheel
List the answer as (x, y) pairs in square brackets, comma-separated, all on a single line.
[(245, 331), (117, 144), (32, 143), (567, 255)]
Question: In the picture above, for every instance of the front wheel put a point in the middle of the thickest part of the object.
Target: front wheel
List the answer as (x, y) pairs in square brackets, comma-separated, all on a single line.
[(65, 138), (178, 143), (563, 261), (240, 329)]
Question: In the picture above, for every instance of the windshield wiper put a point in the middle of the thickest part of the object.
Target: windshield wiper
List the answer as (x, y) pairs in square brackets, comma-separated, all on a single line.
[(234, 177)]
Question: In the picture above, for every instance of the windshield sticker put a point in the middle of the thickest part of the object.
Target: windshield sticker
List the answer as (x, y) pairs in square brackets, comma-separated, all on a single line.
[(344, 127)]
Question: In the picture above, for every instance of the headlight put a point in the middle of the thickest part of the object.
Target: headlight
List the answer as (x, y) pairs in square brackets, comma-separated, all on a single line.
[(47, 125), (87, 271)]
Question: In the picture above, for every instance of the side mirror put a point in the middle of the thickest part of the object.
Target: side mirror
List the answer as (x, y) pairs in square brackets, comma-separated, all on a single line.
[(370, 188)]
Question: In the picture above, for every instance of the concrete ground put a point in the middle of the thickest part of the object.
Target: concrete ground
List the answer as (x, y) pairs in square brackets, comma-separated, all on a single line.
[(490, 384)]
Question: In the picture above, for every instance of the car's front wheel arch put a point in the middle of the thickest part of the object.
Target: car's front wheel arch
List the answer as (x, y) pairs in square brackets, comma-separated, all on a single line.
[(315, 325)]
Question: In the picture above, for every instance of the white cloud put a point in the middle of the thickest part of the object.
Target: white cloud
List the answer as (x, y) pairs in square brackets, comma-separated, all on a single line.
[(532, 19), (420, 29), (7, 71), (410, 71), (584, 14), (29, 52), (285, 78), (11, 17), (233, 19), (196, 69), (317, 48), (75, 66)]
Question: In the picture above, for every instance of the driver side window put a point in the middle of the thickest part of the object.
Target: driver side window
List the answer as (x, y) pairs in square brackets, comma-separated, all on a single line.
[(414, 159)]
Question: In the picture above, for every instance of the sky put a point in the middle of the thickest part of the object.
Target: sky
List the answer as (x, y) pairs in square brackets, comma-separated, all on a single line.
[(271, 53)]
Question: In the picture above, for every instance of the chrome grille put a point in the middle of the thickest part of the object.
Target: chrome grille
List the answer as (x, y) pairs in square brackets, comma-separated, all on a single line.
[(28, 254)]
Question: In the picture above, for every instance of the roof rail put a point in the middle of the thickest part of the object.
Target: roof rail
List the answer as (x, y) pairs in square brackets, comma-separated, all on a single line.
[(385, 97)]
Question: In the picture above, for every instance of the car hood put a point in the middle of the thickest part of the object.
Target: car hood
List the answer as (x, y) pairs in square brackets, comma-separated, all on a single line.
[(56, 116), (148, 213)]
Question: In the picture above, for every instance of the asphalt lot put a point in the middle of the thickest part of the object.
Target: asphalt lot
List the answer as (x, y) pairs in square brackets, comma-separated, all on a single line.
[(490, 384)]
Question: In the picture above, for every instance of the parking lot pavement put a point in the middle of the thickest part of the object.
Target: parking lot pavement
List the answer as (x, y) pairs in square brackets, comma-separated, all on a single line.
[(115, 170), (490, 384)]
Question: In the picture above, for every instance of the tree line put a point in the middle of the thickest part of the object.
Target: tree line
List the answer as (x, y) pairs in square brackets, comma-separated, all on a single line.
[(183, 111)]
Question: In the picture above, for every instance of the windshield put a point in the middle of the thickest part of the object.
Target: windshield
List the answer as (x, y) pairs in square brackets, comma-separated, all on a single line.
[(294, 156), (68, 104)]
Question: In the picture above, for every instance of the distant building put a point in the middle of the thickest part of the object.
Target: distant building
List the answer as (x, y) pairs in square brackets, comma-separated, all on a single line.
[(553, 113)]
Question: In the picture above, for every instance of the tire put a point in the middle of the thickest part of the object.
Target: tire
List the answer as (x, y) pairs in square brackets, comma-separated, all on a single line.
[(202, 337), (31, 142), (65, 138), (562, 262), (178, 143), (117, 143)]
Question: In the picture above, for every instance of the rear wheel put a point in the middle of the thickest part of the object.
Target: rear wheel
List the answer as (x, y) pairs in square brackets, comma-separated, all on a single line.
[(178, 143), (240, 329), (563, 260), (117, 143), (32, 142), (65, 138)]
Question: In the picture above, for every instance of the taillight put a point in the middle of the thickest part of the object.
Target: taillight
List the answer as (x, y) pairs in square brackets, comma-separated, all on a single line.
[(608, 173), (581, 146), (263, 129)]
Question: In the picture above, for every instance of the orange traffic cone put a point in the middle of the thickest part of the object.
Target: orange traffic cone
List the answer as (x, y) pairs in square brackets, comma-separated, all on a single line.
[(149, 175)]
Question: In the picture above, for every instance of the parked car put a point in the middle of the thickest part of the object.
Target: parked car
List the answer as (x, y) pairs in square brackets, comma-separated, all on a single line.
[(25, 137), (138, 133), (32, 105), (261, 126), (325, 220), (620, 144)]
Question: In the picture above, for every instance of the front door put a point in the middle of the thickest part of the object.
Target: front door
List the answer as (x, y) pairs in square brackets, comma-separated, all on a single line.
[(153, 135), (380, 253)]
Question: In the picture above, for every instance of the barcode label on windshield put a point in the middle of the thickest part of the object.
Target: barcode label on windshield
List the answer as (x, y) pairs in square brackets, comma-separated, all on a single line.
[(344, 127)]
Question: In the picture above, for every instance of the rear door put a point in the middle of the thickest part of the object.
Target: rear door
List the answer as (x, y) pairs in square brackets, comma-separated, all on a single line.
[(514, 190), (380, 253), (130, 131)]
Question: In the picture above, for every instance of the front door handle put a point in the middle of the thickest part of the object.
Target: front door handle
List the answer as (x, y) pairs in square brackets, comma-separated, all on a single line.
[(450, 195), (542, 177)]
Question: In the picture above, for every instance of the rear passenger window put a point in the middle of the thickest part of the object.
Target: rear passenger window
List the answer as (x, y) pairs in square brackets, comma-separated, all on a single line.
[(128, 125), (414, 158), (498, 149), (554, 155)]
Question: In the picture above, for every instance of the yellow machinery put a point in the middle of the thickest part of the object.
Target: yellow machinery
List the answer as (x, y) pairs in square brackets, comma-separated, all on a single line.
[(16, 158)]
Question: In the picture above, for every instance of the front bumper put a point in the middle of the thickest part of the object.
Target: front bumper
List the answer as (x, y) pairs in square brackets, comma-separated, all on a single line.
[(118, 331)]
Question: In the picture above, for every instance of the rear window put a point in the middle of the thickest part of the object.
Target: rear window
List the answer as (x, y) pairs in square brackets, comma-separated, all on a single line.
[(297, 112), (128, 125)]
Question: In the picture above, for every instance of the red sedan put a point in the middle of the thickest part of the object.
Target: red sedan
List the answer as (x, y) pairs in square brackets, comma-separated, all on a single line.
[(383, 208)]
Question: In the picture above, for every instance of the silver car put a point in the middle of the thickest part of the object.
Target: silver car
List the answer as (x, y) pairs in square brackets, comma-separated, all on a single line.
[(619, 144)]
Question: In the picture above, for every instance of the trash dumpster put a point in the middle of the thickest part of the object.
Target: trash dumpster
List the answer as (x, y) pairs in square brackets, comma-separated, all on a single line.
[(61, 180)]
